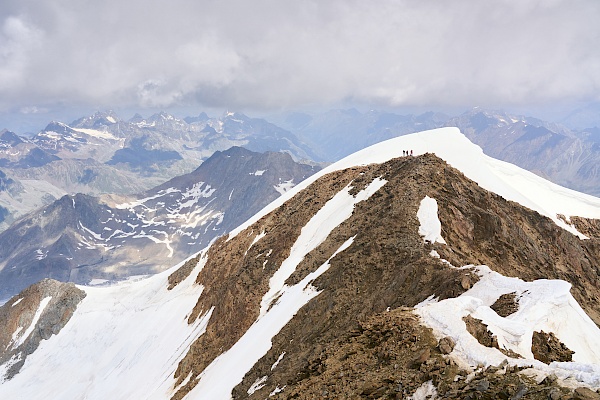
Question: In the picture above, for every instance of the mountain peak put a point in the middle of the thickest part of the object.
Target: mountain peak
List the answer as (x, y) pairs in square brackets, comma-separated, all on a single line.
[(162, 115), (202, 117), (234, 116), (10, 138), (97, 120)]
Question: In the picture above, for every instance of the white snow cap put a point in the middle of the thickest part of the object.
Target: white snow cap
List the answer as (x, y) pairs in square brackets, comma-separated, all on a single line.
[(505, 179)]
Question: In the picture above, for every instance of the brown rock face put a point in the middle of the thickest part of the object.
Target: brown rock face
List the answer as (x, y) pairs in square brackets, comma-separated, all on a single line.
[(388, 266), (547, 348), (585, 394), (506, 304), (446, 345), (19, 312), (480, 332)]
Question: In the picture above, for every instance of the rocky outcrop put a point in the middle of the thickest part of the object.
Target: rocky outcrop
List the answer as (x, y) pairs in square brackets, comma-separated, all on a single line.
[(547, 348), (391, 355), (506, 304), (388, 266), (35, 314), (480, 332), (182, 272)]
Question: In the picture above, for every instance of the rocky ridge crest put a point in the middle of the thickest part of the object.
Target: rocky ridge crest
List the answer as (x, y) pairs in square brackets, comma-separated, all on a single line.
[(387, 267)]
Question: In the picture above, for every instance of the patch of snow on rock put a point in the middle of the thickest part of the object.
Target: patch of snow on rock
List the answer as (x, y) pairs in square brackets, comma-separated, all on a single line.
[(430, 225), (19, 339), (544, 305), (424, 392), (258, 384), (227, 370), (318, 228), (17, 302), (283, 187)]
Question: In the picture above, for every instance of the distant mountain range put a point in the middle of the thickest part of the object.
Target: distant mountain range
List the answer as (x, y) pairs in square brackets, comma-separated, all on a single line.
[(568, 157), (85, 239), (105, 154), (102, 153)]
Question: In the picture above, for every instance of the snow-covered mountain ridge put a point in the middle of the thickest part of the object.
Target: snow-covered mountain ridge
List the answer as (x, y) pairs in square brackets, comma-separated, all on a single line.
[(505, 179), (103, 154), (562, 155), (318, 294), (86, 239)]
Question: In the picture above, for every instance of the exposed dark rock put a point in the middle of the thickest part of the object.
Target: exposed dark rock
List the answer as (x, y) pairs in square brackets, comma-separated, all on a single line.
[(589, 227), (446, 345), (479, 330), (547, 348), (522, 390), (182, 272), (585, 394), (482, 386), (506, 304)]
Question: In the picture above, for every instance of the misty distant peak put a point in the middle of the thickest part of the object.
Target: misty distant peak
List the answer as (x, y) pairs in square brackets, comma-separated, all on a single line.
[(98, 120)]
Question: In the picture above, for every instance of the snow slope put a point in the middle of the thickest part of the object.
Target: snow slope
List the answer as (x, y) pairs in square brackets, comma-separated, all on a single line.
[(126, 344)]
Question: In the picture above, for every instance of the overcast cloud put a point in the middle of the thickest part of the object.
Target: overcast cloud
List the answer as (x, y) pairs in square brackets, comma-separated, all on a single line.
[(283, 54)]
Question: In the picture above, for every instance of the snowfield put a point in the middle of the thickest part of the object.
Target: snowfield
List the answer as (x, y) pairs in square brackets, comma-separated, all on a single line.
[(126, 344), (125, 341), (544, 305)]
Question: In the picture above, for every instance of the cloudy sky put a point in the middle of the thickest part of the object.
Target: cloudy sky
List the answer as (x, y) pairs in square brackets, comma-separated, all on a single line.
[(61, 56)]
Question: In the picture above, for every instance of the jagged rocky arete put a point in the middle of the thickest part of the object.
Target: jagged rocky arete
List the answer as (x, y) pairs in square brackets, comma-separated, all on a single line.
[(330, 293)]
